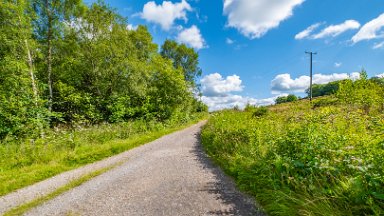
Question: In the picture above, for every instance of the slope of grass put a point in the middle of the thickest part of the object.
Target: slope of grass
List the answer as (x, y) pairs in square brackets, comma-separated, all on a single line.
[(302, 159), (26, 162)]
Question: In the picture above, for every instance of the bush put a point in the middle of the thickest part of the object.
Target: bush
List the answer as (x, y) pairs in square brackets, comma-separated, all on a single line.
[(324, 89), (364, 94), (322, 102), (302, 161), (291, 98), (286, 99), (261, 111)]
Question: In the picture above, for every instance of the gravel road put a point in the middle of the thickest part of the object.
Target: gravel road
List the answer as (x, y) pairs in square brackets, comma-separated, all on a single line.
[(169, 176)]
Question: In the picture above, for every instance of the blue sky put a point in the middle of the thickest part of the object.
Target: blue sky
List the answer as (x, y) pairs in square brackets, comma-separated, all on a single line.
[(254, 50)]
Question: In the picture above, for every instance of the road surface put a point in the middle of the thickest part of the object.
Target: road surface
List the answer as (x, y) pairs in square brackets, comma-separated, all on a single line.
[(170, 176)]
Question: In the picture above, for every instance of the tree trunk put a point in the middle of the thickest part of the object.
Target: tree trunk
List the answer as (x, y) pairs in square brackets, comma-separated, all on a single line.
[(30, 67), (34, 87), (33, 81), (49, 56)]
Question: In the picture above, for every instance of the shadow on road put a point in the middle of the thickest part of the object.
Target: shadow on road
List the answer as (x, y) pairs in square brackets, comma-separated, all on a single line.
[(224, 188)]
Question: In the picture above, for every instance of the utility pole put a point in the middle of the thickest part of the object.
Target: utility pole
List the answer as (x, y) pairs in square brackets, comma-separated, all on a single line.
[(311, 75)]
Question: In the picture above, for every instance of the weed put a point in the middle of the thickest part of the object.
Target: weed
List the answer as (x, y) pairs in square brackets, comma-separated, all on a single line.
[(302, 161), (25, 162)]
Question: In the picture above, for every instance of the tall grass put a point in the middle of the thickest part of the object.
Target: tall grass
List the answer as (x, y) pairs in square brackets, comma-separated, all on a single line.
[(304, 159), (24, 162)]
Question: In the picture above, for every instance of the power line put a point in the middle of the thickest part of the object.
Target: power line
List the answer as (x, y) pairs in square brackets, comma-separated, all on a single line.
[(311, 75)]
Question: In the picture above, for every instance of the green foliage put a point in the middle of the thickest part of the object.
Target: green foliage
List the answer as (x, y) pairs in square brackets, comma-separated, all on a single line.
[(363, 93), (303, 161), (333, 87), (63, 62), (66, 72), (286, 99), (291, 98), (21, 113), (325, 101), (324, 89), (378, 80), (363, 74), (260, 111), (250, 108), (200, 106), (27, 162), (182, 57)]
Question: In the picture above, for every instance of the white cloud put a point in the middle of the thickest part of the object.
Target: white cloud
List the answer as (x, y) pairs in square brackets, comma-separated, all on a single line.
[(284, 82), (165, 14), (338, 64), (255, 18), (131, 27), (380, 75), (229, 41), (371, 30), (217, 93), (378, 45), (335, 30), (307, 32), (225, 102), (326, 78), (230, 101), (354, 76), (192, 37), (215, 85), (330, 31)]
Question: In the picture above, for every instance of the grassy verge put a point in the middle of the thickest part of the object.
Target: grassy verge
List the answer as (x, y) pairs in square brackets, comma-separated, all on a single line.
[(28, 162), (20, 210), (298, 159)]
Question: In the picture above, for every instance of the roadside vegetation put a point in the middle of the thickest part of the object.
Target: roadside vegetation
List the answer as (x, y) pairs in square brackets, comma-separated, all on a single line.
[(298, 158), (77, 84), (26, 162)]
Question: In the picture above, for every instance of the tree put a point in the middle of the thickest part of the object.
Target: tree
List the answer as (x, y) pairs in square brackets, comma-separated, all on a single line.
[(363, 74), (281, 99), (168, 92), (324, 89), (182, 57), (286, 99), (19, 100), (378, 80), (62, 62), (364, 93), (51, 14), (291, 98)]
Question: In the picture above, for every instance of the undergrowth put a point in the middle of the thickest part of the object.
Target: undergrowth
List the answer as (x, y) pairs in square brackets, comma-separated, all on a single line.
[(324, 158), (24, 162)]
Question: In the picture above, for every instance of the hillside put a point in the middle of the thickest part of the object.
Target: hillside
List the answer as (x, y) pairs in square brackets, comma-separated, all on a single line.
[(302, 158)]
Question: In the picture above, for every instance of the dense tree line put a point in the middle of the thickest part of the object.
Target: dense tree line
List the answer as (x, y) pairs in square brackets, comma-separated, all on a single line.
[(63, 62), (324, 89), (286, 99), (332, 87), (335, 87)]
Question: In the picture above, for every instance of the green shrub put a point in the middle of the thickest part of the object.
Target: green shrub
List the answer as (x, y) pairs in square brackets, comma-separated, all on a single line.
[(260, 111), (302, 161), (327, 101), (324, 89), (27, 161), (286, 99), (250, 108)]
